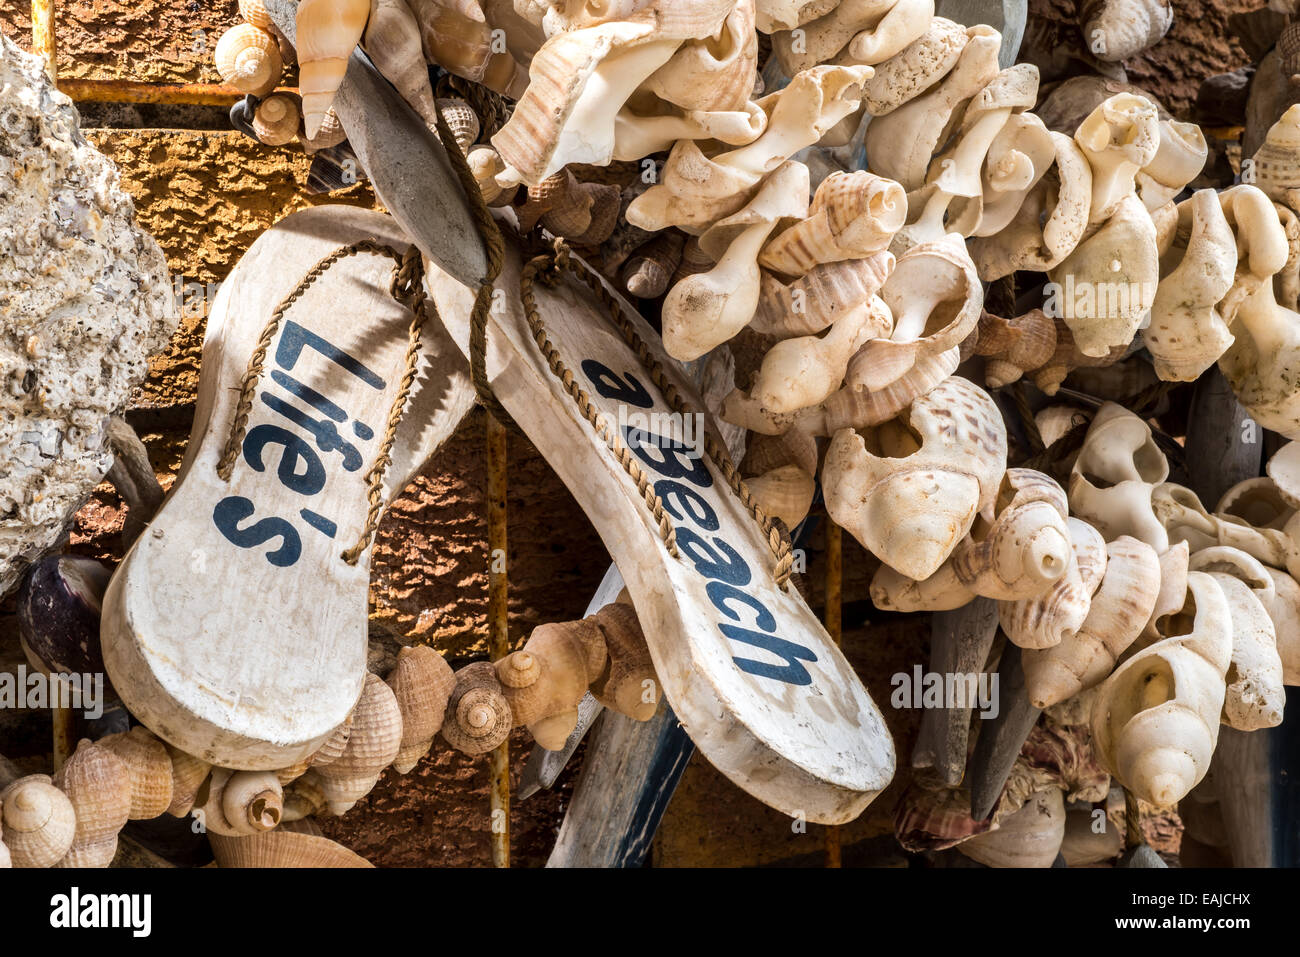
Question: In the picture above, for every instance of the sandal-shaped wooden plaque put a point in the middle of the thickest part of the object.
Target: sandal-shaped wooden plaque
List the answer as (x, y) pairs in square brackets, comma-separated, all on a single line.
[(236, 628), (745, 664)]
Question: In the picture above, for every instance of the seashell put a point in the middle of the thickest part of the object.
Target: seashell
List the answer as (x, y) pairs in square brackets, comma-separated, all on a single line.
[(1083, 844), (1286, 282), (486, 164), (303, 798), (188, 775), (98, 786), (282, 848), (1186, 334), (1067, 358), (1026, 548), (392, 41), (1030, 837), (254, 12), (649, 270), (292, 773), (39, 822), (1171, 595), (1179, 160), (774, 15), (1116, 30), (457, 36), (1155, 722), (857, 406), (150, 767), (1114, 476), (1255, 697), (333, 746), (875, 30), (1104, 288), (276, 119), (820, 297), (478, 715), (58, 610), (916, 68), (942, 591), (1259, 502), (628, 684), (1012, 347), (461, 120), (1119, 609), (803, 371), (252, 801), (707, 309), (546, 679), (901, 143), (1018, 158), (697, 190), (374, 742), (331, 133), (909, 489), (766, 452), (1186, 519), (1262, 247), (1276, 164), (1049, 222), (328, 31), (1284, 470), (248, 58), (936, 299), (1263, 362), (422, 682), (648, 125), (786, 493), (1055, 421), (713, 73), (1046, 620), (852, 216), (1118, 138)]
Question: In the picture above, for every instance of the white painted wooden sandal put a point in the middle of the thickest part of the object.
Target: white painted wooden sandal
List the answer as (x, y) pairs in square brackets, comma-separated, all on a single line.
[(235, 628), (745, 664)]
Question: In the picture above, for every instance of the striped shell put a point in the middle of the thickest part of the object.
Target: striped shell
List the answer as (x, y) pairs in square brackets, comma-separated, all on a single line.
[(1049, 618), (98, 785)]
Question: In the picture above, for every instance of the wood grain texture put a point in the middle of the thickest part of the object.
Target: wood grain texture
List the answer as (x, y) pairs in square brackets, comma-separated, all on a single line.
[(1001, 737), (778, 709), (233, 628)]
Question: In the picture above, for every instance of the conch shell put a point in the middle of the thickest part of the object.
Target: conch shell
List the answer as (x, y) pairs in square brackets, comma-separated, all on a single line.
[(1155, 722), (422, 683), (1118, 469), (98, 786), (909, 489), (328, 32), (1012, 347), (1046, 620), (39, 822), (869, 31), (1120, 608), (374, 742)]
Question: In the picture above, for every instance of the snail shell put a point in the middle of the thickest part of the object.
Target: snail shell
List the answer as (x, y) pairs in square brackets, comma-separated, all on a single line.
[(1116, 30), (374, 742), (276, 119), (98, 785), (547, 678), (478, 715), (39, 822), (333, 746), (150, 767), (1048, 619), (628, 684), (248, 58), (422, 683), (328, 31)]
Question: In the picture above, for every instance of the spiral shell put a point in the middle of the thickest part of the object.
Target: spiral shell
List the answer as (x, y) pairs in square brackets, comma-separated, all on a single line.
[(280, 848), (98, 785), (478, 715), (461, 120), (1116, 30), (39, 822), (333, 746), (150, 767), (1047, 619), (547, 678), (649, 270), (374, 742), (422, 682), (328, 32), (248, 58), (1276, 165), (255, 12), (276, 119)]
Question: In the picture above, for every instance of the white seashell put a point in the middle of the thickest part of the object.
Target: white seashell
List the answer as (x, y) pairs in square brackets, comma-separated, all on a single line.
[(328, 32), (1118, 469)]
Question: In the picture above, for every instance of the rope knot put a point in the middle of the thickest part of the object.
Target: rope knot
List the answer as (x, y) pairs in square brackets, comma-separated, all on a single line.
[(408, 279)]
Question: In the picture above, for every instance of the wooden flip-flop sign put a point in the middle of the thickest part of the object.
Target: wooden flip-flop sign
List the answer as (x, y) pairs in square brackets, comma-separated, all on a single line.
[(235, 628), (746, 666)]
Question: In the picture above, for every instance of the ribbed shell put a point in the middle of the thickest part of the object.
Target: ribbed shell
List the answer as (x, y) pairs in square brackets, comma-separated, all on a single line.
[(328, 31), (859, 407), (276, 119), (461, 120), (98, 785), (651, 267), (150, 767), (254, 12), (1047, 619), (1012, 347), (333, 746), (248, 58), (422, 683), (1277, 161), (629, 684), (546, 679), (823, 295), (373, 744), (39, 822), (478, 715), (852, 216), (712, 73), (282, 849)]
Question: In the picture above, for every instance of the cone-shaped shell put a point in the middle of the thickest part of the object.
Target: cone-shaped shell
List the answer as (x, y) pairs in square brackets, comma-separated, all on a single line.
[(478, 715), (820, 297), (1118, 611), (98, 785), (248, 58), (1276, 166), (422, 682), (909, 489), (150, 767), (328, 32), (1155, 722), (547, 678), (858, 406), (1046, 620), (393, 42), (714, 73), (374, 742), (282, 849), (1031, 837), (39, 822)]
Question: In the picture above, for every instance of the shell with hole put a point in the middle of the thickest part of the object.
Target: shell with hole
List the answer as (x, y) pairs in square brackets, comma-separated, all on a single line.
[(328, 32), (1263, 363), (1114, 476), (1255, 697), (478, 715), (1186, 334), (1046, 620), (98, 785), (1118, 138), (1179, 160), (374, 742), (39, 822), (1184, 517), (1155, 721), (713, 73), (239, 802), (1120, 608), (909, 489), (422, 682), (863, 31), (916, 68), (248, 58)]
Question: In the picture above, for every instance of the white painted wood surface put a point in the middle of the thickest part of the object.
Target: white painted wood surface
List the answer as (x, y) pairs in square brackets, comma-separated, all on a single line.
[(794, 727), (227, 643)]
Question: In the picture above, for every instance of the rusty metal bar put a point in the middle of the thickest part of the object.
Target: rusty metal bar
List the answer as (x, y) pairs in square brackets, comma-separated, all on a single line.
[(64, 735), (132, 91), (43, 41), (834, 620), (498, 628)]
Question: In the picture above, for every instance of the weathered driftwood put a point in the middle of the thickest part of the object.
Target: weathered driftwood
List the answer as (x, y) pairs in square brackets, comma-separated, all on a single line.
[(1002, 737), (134, 478), (406, 163), (750, 673), (234, 628), (1223, 446), (960, 641), (1005, 16)]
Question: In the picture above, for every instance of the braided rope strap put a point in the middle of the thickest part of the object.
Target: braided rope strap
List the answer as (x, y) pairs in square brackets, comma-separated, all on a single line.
[(549, 268), (406, 288)]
